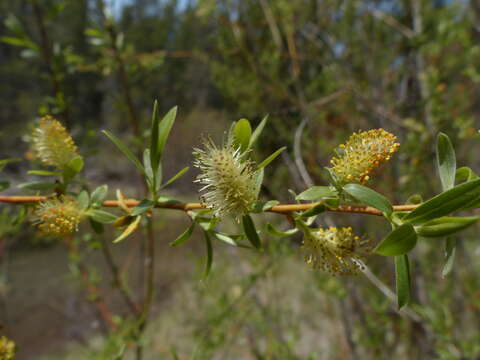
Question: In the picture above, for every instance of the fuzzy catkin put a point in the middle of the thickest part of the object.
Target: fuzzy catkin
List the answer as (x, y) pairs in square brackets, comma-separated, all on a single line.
[(59, 216), (229, 179), (335, 250), (362, 154), (52, 143)]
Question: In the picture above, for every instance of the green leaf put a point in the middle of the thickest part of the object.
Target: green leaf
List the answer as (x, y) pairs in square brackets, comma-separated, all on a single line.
[(332, 203), (144, 206), (369, 197), (258, 181), (206, 223), (38, 185), (96, 226), (83, 199), (232, 240), (445, 203), (44, 173), (175, 177), (208, 264), (184, 236), (398, 242), (445, 226), (147, 165), (251, 232), (124, 149), (99, 194), (101, 216), (317, 209), (316, 193), (450, 250), (272, 157), (402, 280), (261, 206), (129, 230), (258, 131), (272, 230), (76, 165), (464, 174), (446, 161), (164, 130), (154, 154), (242, 132)]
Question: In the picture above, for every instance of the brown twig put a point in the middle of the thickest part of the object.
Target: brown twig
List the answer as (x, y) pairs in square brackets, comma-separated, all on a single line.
[(177, 205)]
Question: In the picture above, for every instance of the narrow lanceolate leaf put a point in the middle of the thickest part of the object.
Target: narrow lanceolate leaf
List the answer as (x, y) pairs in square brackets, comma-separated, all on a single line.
[(44, 173), (316, 193), (129, 230), (445, 226), (242, 133), (37, 185), (125, 150), (402, 280), (154, 155), (398, 242), (101, 216), (164, 130), (369, 197), (446, 161), (272, 230), (450, 250), (147, 165), (183, 236), (144, 206), (272, 157), (445, 203), (318, 209), (208, 243), (175, 177), (258, 131), (251, 232)]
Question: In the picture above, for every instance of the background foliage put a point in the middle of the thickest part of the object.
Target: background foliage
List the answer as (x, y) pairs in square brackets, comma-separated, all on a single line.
[(321, 70)]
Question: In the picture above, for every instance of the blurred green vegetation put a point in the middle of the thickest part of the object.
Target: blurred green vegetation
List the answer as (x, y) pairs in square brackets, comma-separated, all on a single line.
[(332, 66)]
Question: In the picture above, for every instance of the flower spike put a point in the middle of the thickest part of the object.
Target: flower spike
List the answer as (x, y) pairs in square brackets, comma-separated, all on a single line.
[(53, 144), (59, 216), (361, 154), (335, 250), (229, 179)]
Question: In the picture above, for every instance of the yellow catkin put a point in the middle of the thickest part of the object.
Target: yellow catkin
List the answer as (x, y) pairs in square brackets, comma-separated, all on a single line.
[(52, 143), (335, 250), (362, 154), (59, 216), (7, 348)]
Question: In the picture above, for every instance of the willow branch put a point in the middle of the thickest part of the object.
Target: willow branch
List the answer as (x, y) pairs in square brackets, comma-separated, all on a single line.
[(177, 205)]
